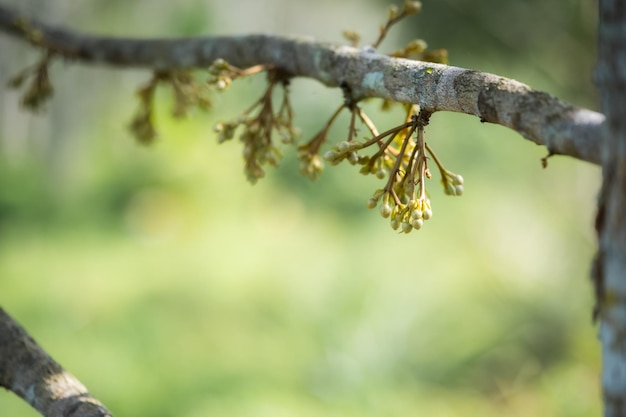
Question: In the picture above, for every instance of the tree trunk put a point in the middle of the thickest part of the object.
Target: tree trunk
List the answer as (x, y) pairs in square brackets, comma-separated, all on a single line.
[(610, 267)]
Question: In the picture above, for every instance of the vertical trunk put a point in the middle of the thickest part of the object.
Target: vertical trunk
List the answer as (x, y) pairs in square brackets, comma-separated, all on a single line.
[(610, 268)]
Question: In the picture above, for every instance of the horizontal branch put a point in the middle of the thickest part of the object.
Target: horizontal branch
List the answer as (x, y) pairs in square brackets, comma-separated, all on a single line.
[(28, 371), (540, 117)]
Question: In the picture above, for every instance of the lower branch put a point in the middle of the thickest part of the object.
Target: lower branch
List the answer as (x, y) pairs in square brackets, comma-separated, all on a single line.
[(28, 371)]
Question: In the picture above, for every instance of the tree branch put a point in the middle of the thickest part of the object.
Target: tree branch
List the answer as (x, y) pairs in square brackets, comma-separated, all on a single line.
[(537, 116), (28, 371)]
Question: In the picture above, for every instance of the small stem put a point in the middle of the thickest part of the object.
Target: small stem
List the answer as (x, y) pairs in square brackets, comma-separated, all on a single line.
[(255, 69), (368, 122), (351, 128), (396, 200), (394, 130), (381, 151), (437, 161), (421, 166), (314, 144), (385, 29), (394, 171), (412, 168)]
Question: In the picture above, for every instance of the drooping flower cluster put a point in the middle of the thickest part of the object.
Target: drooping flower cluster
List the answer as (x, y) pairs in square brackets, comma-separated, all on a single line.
[(39, 88), (189, 91), (403, 157), (261, 123)]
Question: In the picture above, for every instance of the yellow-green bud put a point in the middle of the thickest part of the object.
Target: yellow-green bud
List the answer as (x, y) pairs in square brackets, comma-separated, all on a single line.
[(393, 11), (221, 84), (449, 189), (330, 156), (412, 6), (417, 46), (344, 146), (385, 210)]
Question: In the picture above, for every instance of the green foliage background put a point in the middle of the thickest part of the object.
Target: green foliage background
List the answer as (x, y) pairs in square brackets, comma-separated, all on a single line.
[(171, 287)]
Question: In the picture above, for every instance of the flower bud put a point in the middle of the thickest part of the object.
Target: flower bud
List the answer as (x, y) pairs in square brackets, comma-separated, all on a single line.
[(385, 210), (412, 7), (330, 156), (344, 146)]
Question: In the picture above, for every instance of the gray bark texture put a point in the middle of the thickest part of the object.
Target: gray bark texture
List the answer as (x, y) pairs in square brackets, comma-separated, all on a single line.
[(27, 370), (610, 268)]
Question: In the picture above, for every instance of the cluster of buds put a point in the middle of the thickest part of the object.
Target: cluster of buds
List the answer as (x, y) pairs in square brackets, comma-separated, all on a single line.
[(188, 92), (346, 150), (311, 164), (222, 74), (452, 183), (260, 123), (417, 49), (394, 15), (404, 216), (409, 7), (39, 87), (402, 157)]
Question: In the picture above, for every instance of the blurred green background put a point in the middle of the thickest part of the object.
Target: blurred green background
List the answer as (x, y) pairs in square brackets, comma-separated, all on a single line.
[(171, 287)]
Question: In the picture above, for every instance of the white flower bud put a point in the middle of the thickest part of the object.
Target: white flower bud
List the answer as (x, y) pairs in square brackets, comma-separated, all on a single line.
[(330, 156), (385, 210), (344, 146)]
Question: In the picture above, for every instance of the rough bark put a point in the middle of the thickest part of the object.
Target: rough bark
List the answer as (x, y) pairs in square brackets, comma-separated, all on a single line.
[(610, 271), (28, 371), (563, 128)]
